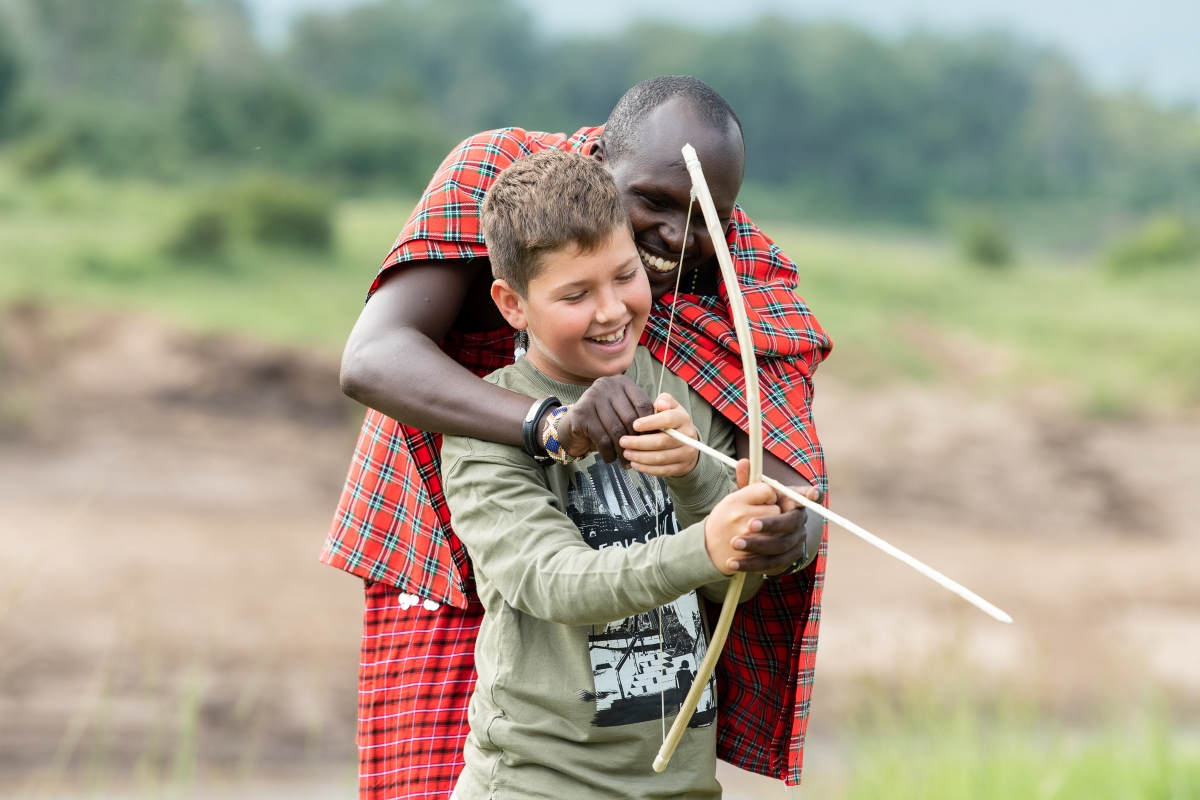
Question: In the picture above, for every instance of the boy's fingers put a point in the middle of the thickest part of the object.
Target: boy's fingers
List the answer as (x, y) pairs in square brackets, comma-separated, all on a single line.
[(758, 494), (650, 441), (671, 418), (653, 457), (742, 470)]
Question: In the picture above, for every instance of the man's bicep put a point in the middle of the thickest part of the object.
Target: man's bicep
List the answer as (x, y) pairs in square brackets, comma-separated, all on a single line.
[(425, 296)]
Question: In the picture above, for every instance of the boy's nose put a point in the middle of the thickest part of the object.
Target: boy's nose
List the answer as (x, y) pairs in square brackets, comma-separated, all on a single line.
[(609, 307)]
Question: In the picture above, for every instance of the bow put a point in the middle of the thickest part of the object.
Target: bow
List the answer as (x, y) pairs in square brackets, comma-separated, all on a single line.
[(741, 324)]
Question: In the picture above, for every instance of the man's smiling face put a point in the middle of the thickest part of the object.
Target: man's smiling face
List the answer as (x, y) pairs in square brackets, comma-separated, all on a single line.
[(656, 189)]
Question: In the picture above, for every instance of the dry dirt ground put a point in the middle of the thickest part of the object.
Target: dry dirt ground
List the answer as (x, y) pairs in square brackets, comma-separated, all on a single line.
[(163, 617)]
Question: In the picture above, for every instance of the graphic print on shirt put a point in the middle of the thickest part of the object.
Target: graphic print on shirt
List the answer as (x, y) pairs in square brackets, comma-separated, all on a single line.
[(636, 671)]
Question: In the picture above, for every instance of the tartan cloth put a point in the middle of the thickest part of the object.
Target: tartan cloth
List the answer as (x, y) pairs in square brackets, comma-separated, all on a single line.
[(392, 524), (415, 681)]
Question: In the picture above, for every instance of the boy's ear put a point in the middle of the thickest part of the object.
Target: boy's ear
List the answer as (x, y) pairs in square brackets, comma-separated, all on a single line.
[(510, 304)]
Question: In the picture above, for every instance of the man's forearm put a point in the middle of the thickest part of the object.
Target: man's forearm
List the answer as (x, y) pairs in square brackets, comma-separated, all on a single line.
[(405, 375)]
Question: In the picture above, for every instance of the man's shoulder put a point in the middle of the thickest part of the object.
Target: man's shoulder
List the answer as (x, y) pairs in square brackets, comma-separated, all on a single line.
[(502, 146)]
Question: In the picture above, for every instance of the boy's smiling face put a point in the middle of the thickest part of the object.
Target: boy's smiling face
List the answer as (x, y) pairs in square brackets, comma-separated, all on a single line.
[(584, 312)]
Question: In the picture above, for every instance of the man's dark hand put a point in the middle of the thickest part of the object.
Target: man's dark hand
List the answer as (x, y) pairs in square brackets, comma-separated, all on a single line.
[(603, 415), (780, 541)]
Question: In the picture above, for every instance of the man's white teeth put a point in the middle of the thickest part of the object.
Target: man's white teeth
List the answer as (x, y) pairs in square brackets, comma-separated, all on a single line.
[(655, 263), (612, 337)]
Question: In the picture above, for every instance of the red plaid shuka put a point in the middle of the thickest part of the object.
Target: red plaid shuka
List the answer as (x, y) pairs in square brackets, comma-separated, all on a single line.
[(392, 526)]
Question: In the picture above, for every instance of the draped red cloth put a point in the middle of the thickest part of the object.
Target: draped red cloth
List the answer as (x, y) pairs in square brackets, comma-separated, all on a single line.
[(392, 524)]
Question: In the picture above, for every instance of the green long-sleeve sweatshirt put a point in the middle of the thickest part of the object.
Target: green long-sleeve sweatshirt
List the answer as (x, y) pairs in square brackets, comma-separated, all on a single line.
[(593, 629)]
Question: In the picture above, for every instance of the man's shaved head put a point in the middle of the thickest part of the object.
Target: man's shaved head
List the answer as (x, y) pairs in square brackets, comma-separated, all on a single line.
[(621, 130)]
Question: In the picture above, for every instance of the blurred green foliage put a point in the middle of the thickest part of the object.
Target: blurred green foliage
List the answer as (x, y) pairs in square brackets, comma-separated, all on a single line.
[(202, 236), (281, 212), (1163, 241), (917, 753), (843, 124), (984, 240)]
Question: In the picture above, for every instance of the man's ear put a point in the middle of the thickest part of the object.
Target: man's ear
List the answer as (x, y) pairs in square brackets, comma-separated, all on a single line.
[(510, 303)]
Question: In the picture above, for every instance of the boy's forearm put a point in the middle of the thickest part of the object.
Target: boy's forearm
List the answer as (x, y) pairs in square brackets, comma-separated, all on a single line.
[(696, 494), (531, 552)]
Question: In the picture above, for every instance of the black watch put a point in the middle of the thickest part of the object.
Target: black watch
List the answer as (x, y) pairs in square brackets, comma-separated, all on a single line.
[(529, 435)]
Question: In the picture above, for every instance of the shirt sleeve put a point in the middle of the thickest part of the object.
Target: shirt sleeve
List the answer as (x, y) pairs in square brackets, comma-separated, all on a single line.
[(521, 541)]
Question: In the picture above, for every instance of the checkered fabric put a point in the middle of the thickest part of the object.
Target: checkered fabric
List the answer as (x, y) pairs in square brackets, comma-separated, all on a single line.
[(392, 524), (416, 679)]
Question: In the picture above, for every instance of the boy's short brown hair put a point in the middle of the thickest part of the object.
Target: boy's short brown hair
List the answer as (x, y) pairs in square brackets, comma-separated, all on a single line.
[(545, 202)]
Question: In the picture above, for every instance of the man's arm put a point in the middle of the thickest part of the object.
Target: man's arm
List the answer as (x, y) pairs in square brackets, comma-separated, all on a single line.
[(392, 363)]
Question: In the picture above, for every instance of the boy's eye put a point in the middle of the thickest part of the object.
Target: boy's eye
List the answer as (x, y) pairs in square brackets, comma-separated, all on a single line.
[(577, 296), (628, 276)]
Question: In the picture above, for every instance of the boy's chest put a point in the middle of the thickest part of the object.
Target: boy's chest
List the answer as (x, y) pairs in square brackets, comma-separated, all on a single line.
[(614, 507)]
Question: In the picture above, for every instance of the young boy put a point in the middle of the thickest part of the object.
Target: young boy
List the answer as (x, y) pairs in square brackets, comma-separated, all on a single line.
[(588, 572)]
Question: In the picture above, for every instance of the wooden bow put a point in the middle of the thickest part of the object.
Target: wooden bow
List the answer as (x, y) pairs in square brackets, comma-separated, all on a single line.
[(741, 324)]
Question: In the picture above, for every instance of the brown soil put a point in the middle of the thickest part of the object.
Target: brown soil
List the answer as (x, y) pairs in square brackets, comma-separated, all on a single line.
[(163, 497)]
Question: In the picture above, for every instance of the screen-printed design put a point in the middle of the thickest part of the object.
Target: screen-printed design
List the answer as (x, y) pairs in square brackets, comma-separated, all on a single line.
[(636, 670)]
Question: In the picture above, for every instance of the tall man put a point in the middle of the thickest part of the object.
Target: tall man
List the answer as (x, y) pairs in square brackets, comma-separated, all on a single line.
[(430, 329)]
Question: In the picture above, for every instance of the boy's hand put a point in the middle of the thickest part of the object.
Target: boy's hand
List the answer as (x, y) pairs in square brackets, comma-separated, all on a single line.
[(732, 519), (604, 414), (658, 453)]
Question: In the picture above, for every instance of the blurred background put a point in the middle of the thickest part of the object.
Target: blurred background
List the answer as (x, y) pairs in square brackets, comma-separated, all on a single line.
[(995, 208)]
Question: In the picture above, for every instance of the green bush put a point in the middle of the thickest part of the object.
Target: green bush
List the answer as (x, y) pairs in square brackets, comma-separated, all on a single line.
[(983, 240), (1164, 241), (43, 153), (366, 145), (280, 212), (203, 235)]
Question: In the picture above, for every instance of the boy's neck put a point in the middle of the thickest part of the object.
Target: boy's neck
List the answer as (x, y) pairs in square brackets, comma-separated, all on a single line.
[(553, 371)]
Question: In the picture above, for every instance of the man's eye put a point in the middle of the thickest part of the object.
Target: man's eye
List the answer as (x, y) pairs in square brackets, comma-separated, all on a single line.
[(657, 205)]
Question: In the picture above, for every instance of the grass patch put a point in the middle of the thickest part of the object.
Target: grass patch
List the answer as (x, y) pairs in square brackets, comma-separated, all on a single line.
[(908, 308), (897, 306), (969, 754), (72, 239)]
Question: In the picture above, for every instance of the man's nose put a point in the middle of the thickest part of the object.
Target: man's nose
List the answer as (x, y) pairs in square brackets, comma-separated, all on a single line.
[(672, 234)]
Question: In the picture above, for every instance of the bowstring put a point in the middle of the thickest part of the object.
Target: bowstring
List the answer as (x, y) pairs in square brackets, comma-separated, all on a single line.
[(662, 664), (675, 296)]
